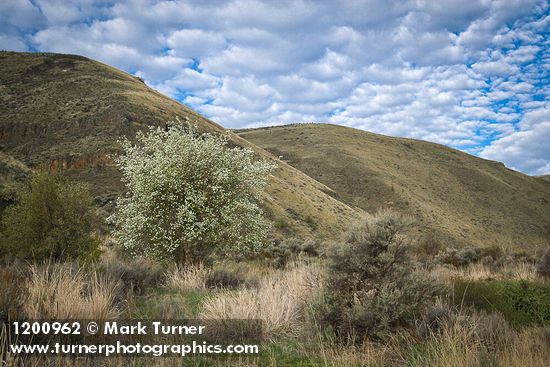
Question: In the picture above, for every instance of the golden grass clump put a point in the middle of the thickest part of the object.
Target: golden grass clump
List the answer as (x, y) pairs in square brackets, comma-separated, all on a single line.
[(523, 271), (336, 354), (454, 346), (279, 301), (480, 271), (60, 291), (188, 278), (531, 348), (11, 291)]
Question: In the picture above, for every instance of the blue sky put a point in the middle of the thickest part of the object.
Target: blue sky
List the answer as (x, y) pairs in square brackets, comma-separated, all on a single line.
[(468, 74)]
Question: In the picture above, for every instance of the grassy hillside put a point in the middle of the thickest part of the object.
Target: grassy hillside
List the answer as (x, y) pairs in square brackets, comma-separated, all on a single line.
[(459, 198), (68, 112)]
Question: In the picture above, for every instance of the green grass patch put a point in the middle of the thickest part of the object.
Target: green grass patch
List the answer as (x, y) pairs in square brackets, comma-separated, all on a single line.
[(162, 303), (521, 302), (286, 353)]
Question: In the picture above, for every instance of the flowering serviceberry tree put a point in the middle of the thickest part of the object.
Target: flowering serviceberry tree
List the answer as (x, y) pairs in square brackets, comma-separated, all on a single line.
[(189, 195)]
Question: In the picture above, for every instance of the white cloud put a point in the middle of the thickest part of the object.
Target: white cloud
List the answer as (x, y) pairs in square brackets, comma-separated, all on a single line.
[(526, 149), (195, 43), (495, 68), (64, 11), (472, 74), (189, 80), (12, 43), (19, 15)]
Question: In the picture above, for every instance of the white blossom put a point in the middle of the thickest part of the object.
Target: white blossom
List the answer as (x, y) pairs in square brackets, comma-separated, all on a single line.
[(189, 195)]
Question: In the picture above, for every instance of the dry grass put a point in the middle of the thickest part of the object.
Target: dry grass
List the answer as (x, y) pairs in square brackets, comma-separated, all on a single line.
[(523, 271), (188, 278), (475, 340), (337, 355), (11, 291), (531, 348), (59, 291), (465, 340), (455, 345), (279, 300), (479, 271)]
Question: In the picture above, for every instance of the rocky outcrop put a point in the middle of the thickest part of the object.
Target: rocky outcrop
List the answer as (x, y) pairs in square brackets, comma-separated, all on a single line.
[(98, 160)]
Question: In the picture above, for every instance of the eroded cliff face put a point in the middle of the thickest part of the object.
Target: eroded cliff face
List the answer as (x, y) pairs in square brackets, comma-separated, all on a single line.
[(12, 133), (95, 161)]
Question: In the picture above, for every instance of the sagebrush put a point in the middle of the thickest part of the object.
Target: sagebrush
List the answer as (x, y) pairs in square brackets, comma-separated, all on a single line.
[(372, 286)]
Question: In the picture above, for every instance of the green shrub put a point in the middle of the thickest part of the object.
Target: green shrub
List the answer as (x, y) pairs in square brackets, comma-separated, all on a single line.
[(311, 222), (371, 285), (54, 219), (190, 196), (520, 302)]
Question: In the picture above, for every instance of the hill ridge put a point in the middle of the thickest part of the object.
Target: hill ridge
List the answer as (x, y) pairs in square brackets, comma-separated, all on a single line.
[(461, 198), (67, 111)]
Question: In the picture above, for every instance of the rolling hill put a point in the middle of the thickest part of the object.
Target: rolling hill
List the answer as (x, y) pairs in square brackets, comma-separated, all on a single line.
[(67, 112), (455, 197)]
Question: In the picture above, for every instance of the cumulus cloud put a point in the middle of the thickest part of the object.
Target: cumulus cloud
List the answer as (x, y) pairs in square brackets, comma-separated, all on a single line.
[(527, 148), (195, 42), (472, 75), (12, 43)]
